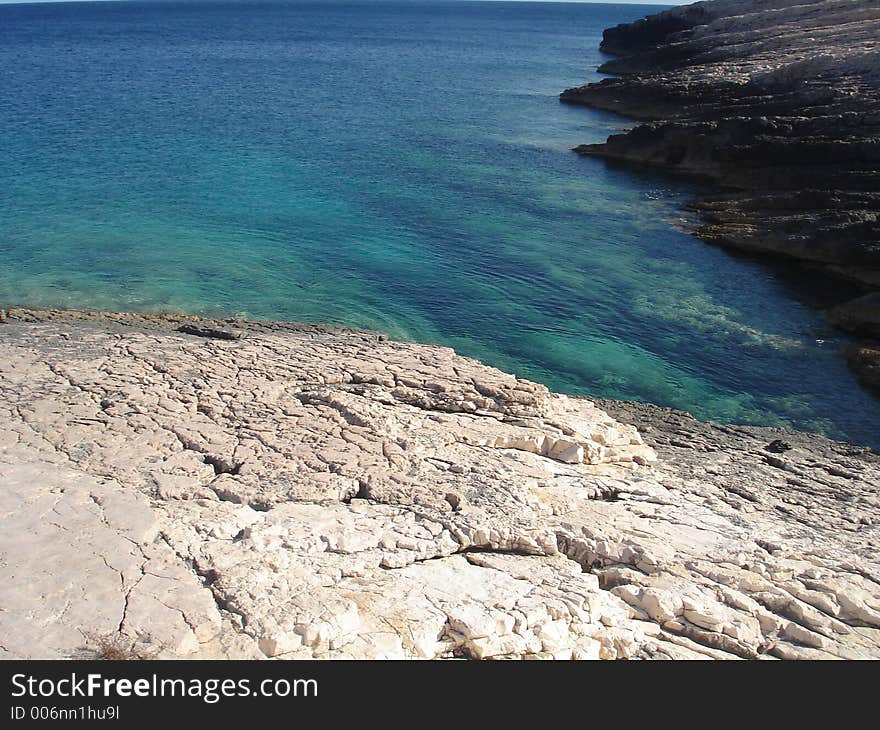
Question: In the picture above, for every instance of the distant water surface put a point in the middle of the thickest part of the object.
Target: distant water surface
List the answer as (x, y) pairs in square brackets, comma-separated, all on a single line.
[(398, 166)]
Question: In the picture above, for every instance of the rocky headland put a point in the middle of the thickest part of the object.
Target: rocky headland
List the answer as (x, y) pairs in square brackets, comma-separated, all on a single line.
[(776, 103), (183, 487)]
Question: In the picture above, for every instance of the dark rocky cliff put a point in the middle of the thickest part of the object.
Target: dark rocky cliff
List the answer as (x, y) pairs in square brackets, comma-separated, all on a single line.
[(777, 103)]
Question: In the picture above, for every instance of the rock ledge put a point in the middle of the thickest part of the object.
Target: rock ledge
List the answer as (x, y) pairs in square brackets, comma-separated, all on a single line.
[(775, 102)]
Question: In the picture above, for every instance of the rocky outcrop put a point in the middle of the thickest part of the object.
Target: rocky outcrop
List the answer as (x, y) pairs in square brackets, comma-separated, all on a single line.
[(777, 103), (861, 315), (240, 489), (866, 363)]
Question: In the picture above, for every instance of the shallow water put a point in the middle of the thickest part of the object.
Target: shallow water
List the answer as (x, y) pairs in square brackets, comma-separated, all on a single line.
[(404, 167)]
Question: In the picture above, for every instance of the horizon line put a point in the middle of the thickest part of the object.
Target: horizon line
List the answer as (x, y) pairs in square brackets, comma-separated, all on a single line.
[(543, 2)]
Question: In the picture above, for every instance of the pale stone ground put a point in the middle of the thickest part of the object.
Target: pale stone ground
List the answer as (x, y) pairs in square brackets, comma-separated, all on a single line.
[(304, 491)]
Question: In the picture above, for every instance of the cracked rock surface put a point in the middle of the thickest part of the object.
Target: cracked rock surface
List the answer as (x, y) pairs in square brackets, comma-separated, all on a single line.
[(229, 489)]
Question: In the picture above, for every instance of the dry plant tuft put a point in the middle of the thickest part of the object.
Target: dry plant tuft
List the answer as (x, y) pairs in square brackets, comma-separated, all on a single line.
[(117, 647)]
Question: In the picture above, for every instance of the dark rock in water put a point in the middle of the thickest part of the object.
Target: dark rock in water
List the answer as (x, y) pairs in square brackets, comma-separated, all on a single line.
[(861, 315), (209, 332), (866, 362), (777, 102)]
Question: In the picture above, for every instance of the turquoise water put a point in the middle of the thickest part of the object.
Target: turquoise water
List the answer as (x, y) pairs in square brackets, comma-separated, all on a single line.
[(404, 167)]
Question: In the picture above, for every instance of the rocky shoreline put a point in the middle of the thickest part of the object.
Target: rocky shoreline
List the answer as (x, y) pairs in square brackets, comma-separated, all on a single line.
[(776, 103), (196, 488)]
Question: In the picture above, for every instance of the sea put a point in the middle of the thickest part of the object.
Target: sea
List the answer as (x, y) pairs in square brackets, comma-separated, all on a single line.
[(404, 167)]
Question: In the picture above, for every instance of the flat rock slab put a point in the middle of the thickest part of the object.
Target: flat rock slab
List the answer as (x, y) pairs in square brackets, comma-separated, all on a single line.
[(302, 491), (82, 565)]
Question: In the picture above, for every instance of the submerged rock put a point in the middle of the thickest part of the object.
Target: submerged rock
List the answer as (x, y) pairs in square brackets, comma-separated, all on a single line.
[(861, 315), (307, 491), (866, 362)]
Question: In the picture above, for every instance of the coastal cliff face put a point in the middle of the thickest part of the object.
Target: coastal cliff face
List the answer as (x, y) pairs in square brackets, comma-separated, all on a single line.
[(231, 489), (777, 102)]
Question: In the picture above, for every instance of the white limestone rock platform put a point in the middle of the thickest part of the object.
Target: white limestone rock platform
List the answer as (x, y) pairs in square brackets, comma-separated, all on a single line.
[(230, 489)]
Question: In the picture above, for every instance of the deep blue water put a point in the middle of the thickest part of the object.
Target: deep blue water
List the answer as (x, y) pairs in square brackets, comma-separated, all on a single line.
[(398, 166)]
